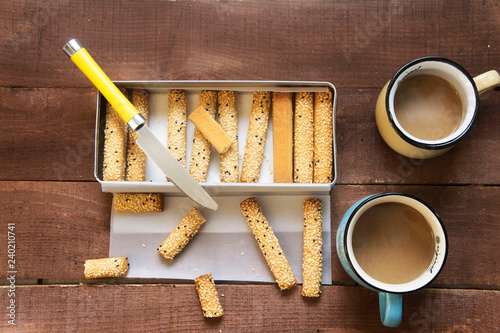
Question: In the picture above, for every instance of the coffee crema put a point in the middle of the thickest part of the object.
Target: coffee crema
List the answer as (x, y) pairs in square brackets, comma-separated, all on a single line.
[(428, 107), (393, 243)]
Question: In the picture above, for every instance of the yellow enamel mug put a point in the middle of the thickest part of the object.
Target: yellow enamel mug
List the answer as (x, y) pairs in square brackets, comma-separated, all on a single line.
[(467, 88)]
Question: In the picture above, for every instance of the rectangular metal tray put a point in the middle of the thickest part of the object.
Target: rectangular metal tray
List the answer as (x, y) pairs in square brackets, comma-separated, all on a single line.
[(158, 110)]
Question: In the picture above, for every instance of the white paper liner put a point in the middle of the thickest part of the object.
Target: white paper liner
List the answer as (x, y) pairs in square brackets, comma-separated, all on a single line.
[(224, 246)]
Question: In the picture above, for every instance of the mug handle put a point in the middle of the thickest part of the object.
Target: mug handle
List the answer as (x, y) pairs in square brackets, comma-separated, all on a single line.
[(487, 81), (391, 308)]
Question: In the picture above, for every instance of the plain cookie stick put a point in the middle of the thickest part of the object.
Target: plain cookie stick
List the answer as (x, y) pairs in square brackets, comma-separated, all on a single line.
[(283, 137), (211, 130)]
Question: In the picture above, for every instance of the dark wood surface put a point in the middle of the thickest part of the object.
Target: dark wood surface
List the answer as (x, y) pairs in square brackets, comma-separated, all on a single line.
[(47, 186)]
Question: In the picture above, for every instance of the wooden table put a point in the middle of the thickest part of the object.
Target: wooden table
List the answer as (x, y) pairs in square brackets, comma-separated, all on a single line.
[(61, 217)]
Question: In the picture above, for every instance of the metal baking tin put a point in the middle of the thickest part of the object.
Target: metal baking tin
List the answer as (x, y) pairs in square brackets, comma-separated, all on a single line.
[(157, 183)]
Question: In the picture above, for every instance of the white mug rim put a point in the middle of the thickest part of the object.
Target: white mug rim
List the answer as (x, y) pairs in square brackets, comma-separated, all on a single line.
[(413, 285), (429, 144)]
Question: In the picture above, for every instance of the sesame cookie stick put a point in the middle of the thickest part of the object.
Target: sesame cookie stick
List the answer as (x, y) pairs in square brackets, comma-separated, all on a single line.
[(283, 137), (209, 298), (312, 259), (182, 234), (211, 130), (256, 137), (138, 202), (228, 119), (323, 137), (303, 138), (176, 136), (115, 145), (200, 153), (106, 267), (268, 243), (136, 158)]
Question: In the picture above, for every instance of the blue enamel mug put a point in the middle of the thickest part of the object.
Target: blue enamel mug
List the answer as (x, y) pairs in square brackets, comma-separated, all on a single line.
[(390, 292)]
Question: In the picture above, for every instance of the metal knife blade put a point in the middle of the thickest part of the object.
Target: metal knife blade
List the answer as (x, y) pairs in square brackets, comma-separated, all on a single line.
[(169, 165)]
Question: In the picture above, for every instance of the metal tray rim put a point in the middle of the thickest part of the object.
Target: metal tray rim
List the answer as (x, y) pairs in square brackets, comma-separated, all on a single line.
[(193, 84)]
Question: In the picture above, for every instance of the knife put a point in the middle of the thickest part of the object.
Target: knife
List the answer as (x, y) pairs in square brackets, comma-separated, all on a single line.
[(149, 143)]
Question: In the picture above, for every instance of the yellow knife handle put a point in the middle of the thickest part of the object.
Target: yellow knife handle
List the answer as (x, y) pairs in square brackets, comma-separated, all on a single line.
[(79, 55)]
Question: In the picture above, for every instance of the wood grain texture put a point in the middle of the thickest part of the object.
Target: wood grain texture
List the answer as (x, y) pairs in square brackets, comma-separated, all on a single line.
[(344, 42), (49, 133), (47, 186), (69, 222), (364, 158), (58, 225), (248, 308), (60, 144)]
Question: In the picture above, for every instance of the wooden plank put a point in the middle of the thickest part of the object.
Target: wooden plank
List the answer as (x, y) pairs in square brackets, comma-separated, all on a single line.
[(49, 134), (251, 308), (342, 42), (68, 223), (364, 158), (60, 144), (57, 227), (47, 186)]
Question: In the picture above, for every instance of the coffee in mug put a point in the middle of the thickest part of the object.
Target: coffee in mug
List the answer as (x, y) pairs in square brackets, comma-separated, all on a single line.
[(428, 107), (393, 243)]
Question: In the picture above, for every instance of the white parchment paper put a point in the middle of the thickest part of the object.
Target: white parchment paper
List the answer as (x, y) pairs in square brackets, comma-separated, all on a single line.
[(224, 246)]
